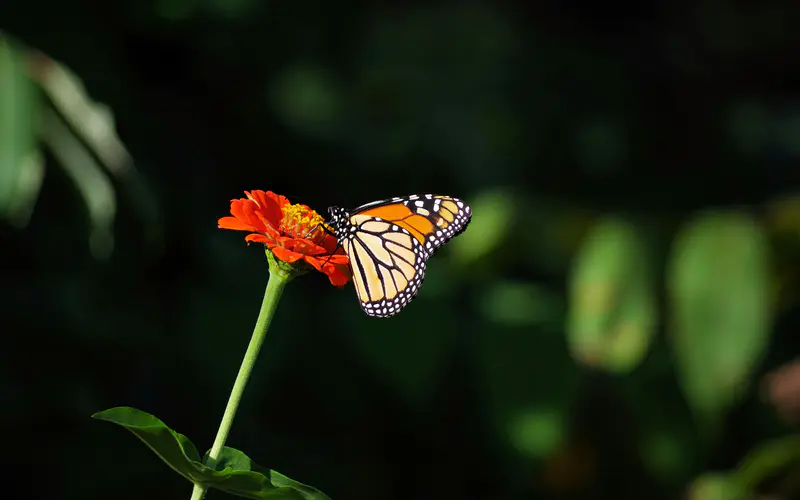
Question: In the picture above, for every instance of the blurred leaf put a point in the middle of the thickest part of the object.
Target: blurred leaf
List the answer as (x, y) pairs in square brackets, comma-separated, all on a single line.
[(767, 461), (716, 487), (538, 432), (93, 185), (521, 303), (91, 121), (83, 131), (21, 166), (234, 472), (719, 289), (612, 310), (492, 218)]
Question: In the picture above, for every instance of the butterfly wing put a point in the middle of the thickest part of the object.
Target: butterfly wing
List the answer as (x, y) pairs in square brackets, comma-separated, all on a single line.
[(388, 264), (431, 219), (390, 241)]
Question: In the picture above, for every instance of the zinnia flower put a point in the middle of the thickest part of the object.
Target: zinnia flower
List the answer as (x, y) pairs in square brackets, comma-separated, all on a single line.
[(289, 231)]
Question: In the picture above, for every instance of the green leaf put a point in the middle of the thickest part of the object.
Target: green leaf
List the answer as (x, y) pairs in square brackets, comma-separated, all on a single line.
[(719, 290), (612, 308), (716, 487), (491, 223), (249, 476), (234, 472), (172, 447), (21, 165)]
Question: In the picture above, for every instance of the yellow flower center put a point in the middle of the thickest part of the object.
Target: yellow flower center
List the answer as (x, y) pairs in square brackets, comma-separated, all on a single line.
[(299, 220)]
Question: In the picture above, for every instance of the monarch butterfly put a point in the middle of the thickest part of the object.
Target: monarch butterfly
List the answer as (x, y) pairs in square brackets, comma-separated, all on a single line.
[(389, 242)]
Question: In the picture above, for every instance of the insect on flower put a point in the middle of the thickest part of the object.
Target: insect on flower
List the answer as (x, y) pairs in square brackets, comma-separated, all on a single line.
[(389, 243), (386, 243)]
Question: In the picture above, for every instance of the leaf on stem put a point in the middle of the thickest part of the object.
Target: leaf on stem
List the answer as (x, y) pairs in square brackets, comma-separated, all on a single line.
[(234, 472)]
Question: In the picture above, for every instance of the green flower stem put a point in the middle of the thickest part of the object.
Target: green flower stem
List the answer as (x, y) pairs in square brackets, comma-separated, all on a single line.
[(279, 275)]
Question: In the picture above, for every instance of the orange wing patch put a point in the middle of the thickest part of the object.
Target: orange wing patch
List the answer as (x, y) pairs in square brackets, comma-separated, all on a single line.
[(417, 225), (393, 212), (404, 217)]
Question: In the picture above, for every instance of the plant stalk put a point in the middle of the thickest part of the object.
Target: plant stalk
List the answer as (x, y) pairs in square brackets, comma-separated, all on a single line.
[(277, 282)]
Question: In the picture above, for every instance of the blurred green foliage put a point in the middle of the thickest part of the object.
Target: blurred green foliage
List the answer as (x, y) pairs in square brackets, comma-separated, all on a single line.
[(20, 162), (612, 300), (605, 328), (721, 308)]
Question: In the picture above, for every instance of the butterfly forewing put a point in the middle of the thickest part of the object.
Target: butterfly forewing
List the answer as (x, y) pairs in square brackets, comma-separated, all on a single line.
[(432, 219)]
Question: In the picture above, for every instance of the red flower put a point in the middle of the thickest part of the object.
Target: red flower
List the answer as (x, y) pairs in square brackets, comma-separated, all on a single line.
[(286, 230)]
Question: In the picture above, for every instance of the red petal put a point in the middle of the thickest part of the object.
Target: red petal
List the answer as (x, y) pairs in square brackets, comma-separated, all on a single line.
[(340, 260), (337, 275), (338, 272), (306, 247), (329, 242), (286, 255), (272, 232), (270, 205), (260, 238), (234, 223), (245, 211)]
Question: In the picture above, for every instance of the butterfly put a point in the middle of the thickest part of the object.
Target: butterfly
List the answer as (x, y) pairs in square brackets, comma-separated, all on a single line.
[(389, 243)]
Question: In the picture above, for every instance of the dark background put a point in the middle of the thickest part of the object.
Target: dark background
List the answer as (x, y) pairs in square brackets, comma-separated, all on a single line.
[(545, 116)]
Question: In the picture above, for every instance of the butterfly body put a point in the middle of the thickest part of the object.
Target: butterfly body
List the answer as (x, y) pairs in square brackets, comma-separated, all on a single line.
[(389, 242)]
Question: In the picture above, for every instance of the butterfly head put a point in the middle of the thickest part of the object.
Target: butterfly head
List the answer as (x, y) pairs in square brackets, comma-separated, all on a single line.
[(339, 219)]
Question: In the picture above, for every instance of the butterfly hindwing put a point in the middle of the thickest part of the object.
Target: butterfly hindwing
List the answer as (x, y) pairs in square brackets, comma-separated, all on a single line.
[(388, 265)]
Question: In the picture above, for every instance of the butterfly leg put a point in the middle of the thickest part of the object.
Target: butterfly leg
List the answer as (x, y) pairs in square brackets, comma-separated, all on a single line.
[(325, 229)]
